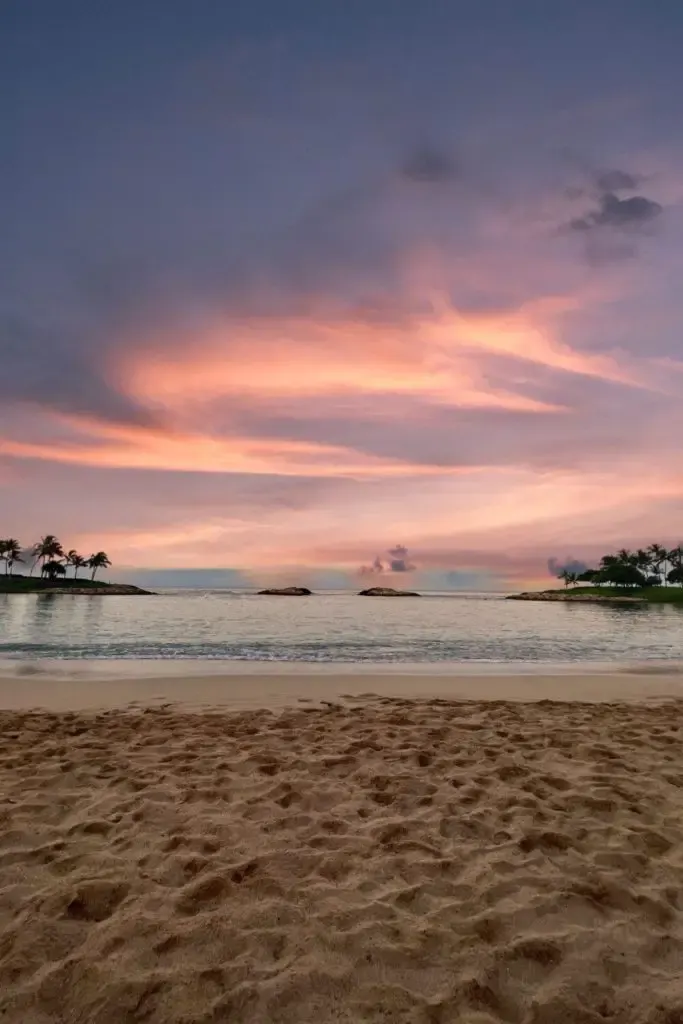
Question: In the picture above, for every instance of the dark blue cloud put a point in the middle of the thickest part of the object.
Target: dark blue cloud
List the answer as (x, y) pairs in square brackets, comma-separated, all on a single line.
[(397, 560), (566, 564), (622, 214)]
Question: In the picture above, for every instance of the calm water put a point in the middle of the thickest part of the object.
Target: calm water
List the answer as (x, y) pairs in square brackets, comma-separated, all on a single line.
[(334, 627)]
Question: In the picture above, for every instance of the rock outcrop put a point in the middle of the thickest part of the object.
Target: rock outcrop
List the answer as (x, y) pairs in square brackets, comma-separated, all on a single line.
[(19, 584), (108, 588), (387, 592), (567, 595), (286, 592)]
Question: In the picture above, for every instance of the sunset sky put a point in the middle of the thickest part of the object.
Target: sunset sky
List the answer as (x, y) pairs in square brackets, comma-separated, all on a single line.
[(287, 285)]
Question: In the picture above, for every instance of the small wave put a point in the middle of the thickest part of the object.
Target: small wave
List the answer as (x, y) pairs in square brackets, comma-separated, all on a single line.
[(474, 651)]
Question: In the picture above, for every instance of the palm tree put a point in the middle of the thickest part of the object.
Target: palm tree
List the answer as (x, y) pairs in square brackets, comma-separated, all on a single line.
[(77, 561), (632, 558), (11, 554), (52, 569), (643, 561), (623, 574), (658, 557), (651, 567), (98, 561), (48, 547), (607, 562), (675, 556), (675, 559)]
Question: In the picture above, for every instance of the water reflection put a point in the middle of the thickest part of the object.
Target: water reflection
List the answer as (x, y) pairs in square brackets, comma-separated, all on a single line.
[(617, 609), (336, 627), (44, 608), (13, 612), (45, 617)]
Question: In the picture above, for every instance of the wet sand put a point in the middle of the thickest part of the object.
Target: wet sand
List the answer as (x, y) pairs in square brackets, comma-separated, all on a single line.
[(96, 685), (373, 858)]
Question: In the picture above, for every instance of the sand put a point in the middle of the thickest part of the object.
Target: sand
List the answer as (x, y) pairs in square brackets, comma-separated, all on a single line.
[(94, 685), (372, 859)]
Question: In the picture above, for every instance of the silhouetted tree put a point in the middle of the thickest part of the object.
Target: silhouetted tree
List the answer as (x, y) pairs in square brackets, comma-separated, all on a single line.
[(646, 567), (76, 561), (98, 561), (12, 554), (53, 569), (642, 561), (622, 575), (49, 552), (658, 557), (48, 547), (675, 557)]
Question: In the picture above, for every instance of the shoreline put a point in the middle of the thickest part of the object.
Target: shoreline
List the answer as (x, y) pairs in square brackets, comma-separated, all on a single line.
[(146, 667), (604, 595), (93, 686)]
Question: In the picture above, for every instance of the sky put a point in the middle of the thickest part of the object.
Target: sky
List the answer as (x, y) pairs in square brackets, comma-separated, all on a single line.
[(321, 291)]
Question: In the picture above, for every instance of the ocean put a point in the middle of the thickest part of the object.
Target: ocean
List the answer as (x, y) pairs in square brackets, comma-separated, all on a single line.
[(336, 627)]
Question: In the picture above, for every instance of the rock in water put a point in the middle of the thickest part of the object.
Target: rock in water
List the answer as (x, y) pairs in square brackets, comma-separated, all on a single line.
[(387, 592), (287, 592)]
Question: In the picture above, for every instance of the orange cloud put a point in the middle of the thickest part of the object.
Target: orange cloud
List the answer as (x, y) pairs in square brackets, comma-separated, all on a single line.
[(435, 356), (439, 356), (302, 358)]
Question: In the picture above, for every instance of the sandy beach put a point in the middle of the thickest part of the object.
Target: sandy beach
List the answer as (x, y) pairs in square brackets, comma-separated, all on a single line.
[(389, 855)]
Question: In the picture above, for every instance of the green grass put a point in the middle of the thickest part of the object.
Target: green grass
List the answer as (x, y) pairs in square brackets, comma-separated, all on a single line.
[(31, 584), (653, 595)]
